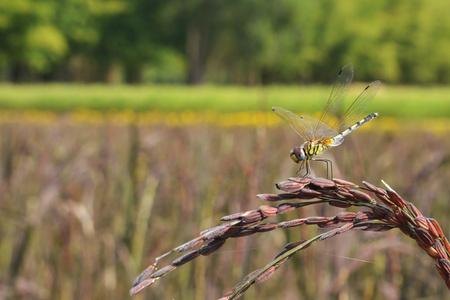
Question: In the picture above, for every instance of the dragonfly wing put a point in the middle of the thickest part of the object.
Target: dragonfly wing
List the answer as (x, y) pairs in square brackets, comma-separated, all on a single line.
[(324, 130), (303, 129), (354, 112), (337, 96)]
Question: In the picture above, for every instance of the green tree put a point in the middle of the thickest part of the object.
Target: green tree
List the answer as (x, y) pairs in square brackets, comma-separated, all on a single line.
[(243, 42), (30, 42), (38, 36)]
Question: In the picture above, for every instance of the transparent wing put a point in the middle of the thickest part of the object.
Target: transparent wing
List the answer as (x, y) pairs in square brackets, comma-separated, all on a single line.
[(324, 131), (354, 112), (338, 94), (302, 127)]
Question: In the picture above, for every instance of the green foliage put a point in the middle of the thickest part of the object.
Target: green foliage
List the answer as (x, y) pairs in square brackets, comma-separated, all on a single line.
[(39, 35), (46, 45), (244, 42)]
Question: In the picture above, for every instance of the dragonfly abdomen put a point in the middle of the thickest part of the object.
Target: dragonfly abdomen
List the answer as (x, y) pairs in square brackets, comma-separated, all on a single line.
[(347, 131)]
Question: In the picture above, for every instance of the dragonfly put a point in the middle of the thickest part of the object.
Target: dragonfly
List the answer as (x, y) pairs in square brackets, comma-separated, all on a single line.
[(321, 134)]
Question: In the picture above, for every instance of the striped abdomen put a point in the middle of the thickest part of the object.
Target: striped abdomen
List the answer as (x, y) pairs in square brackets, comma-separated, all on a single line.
[(337, 140)]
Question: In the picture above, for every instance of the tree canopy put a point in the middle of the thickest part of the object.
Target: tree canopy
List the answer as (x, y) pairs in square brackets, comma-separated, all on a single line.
[(218, 41)]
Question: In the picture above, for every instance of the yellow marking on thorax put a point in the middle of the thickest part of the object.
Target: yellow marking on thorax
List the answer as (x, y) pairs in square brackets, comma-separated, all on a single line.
[(327, 143), (312, 148)]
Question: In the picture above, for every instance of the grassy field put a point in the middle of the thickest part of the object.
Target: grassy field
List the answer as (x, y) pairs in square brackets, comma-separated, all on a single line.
[(391, 101), (97, 181), (87, 206)]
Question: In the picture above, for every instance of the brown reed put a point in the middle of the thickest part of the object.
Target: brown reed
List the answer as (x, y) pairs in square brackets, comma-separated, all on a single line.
[(389, 212)]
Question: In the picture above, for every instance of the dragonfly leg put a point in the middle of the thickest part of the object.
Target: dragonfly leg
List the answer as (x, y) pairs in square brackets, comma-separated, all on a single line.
[(308, 168), (329, 166), (301, 168)]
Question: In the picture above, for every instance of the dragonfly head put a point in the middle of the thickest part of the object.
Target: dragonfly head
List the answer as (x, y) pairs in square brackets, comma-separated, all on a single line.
[(297, 154)]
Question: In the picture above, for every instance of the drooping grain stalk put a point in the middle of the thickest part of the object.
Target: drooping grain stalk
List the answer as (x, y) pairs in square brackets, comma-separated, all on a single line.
[(389, 212)]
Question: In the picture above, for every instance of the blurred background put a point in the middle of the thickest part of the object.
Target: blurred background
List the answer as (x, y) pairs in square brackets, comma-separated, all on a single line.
[(127, 127), (117, 41)]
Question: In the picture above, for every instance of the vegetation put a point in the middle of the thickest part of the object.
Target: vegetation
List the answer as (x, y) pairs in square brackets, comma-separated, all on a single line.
[(248, 42), (97, 180), (87, 206), (392, 101), (389, 212)]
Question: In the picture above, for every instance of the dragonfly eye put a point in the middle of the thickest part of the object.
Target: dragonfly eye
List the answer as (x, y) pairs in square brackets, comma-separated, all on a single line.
[(297, 154)]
